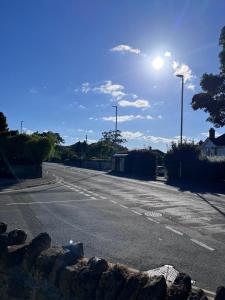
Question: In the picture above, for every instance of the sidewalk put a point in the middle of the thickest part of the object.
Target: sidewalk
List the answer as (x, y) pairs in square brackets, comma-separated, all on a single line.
[(14, 184)]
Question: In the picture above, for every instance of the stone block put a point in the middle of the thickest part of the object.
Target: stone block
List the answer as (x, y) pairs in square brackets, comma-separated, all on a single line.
[(154, 289), (112, 283), (3, 227), (34, 249), (17, 237)]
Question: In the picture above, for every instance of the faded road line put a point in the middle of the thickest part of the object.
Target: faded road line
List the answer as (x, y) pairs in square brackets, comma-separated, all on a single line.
[(124, 206), (113, 201), (136, 212), (174, 230), (150, 219), (202, 245)]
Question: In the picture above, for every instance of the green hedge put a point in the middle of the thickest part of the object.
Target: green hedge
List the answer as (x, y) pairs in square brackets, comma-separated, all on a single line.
[(193, 166), (141, 162), (24, 149)]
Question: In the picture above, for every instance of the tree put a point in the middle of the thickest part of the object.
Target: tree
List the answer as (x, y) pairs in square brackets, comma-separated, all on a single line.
[(3, 123), (54, 137), (212, 100), (113, 137)]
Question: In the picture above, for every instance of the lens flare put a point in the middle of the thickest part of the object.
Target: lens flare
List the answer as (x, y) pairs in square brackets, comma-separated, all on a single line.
[(157, 63)]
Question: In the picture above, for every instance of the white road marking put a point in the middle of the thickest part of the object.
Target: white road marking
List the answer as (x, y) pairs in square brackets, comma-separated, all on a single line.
[(136, 212), (150, 219), (44, 202), (174, 230), (93, 198), (113, 201), (102, 197), (124, 206), (202, 245)]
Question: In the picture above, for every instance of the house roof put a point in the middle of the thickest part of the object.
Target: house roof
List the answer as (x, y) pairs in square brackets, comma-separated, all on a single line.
[(220, 141)]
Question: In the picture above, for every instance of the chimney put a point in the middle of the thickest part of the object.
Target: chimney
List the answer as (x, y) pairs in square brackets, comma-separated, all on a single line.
[(212, 133)]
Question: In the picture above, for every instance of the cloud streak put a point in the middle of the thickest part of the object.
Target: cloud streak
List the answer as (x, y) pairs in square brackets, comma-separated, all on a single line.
[(125, 48), (140, 103), (126, 118)]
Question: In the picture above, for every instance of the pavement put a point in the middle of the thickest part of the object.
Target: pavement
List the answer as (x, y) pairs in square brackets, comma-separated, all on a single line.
[(139, 223)]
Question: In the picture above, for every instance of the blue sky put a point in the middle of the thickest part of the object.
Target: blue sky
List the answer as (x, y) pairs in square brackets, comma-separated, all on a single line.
[(63, 65)]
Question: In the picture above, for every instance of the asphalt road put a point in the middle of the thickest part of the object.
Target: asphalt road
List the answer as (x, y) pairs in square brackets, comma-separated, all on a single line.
[(142, 224)]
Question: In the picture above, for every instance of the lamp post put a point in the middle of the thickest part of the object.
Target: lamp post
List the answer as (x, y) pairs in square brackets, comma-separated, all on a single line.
[(116, 121), (182, 104), (21, 127), (181, 118)]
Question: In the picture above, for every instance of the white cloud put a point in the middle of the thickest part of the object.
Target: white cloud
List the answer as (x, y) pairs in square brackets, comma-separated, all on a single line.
[(28, 131), (115, 90), (190, 86), (93, 119), (84, 130), (126, 118), (182, 69), (167, 54), (137, 135), (126, 48), (131, 135), (140, 103), (85, 88), (82, 106)]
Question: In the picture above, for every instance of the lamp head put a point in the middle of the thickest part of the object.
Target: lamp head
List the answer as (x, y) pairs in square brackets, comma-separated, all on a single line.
[(180, 75)]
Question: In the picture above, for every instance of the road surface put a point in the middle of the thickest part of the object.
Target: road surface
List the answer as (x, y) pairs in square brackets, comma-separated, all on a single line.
[(142, 224)]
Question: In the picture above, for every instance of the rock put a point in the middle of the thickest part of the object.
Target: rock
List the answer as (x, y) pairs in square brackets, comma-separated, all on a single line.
[(112, 283), (3, 227), (87, 278), (34, 249), (98, 265), (185, 280), (45, 262), (197, 295), (132, 286), (68, 256), (68, 279), (14, 255), (154, 289), (76, 249), (177, 292), (3, 242), (17, 237), (220, 293)]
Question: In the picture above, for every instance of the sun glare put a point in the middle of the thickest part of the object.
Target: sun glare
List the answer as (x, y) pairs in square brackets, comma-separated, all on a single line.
[(157, 63)]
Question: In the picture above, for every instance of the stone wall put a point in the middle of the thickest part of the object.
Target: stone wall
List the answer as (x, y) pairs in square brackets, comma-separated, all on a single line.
[(38, 271)]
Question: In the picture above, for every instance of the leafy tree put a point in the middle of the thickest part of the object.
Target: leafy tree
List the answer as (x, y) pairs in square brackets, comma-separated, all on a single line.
[(80, 148), (212, 100), (3, 123), (54, 137), (113, 137)]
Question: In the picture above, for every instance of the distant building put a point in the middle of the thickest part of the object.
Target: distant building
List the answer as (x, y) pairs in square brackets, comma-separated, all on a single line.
[(213, 146)]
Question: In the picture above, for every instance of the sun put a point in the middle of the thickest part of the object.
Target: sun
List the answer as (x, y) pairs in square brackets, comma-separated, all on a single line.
[(157, 63)]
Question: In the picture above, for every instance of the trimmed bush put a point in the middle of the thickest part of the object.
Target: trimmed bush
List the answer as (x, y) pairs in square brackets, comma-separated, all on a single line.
[(141, 162), (193, 166)]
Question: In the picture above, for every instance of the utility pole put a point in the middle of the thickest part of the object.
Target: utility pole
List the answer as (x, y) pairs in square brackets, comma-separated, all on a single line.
[(181, 118), (21, 126), (182, 107), (116, 121)]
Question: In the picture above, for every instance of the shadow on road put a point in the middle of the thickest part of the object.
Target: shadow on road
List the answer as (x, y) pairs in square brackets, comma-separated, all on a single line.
[(212, 205), (136, 177), (199, 187)]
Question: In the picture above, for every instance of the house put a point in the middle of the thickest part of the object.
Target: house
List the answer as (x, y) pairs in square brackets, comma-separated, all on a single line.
[(213, 146)]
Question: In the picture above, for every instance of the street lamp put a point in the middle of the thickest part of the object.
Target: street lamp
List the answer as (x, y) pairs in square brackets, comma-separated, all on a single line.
[(181, 118), (181, 111), (21, 126), (116, 121)]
